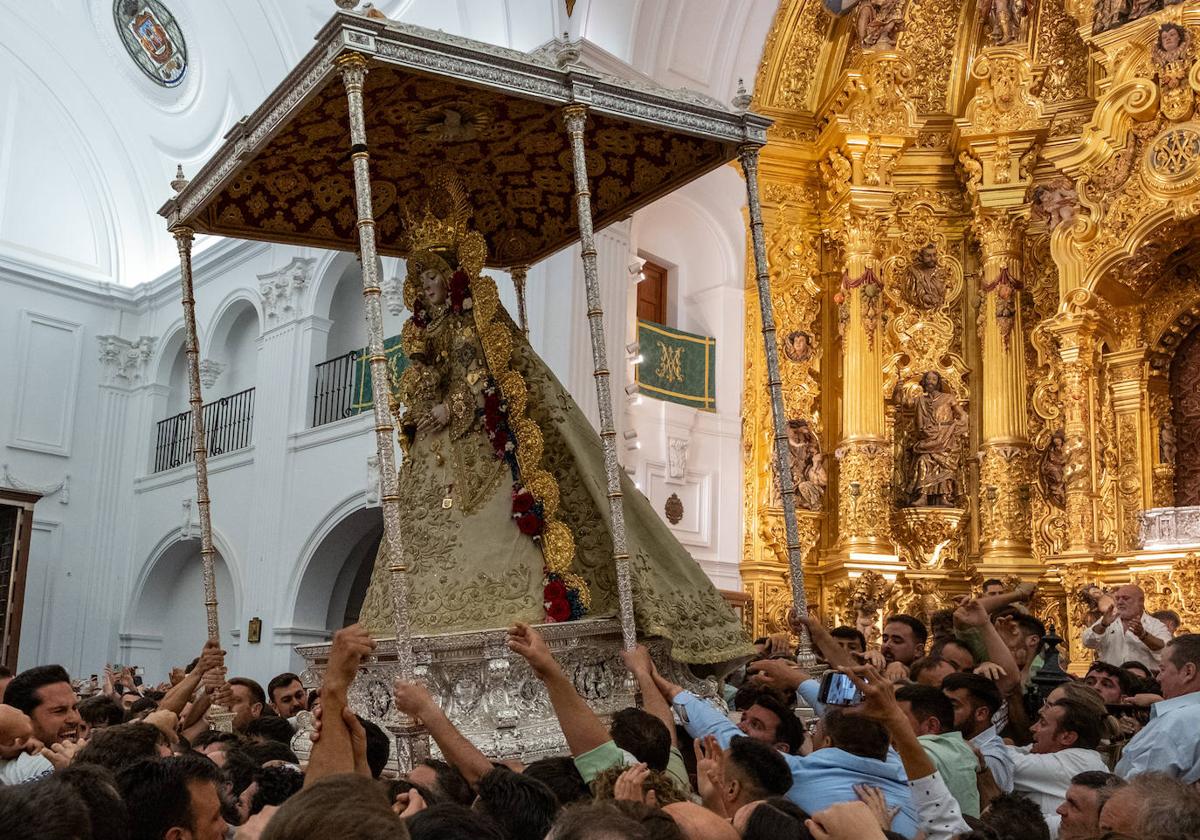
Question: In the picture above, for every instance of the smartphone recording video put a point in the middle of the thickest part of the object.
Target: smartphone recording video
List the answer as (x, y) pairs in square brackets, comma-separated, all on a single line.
[(837, 689)]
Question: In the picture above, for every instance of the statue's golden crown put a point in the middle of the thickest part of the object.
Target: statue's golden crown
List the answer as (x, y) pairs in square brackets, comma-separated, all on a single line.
[(437, 221)]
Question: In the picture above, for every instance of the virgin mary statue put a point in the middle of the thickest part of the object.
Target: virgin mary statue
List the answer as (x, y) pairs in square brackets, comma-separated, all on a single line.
[(503, 499)]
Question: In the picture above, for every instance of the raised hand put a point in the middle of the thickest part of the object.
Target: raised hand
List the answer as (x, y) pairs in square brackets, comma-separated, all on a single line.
[(409, 803), (1135, 627), (879, 695), (528, 643), (970, 613), (350, 645), (211, 657), (16, 733), (896, 672), (875, 659), (630, 786), (412, 698), (637, 660), (845, 821), (63, 753), (990, 670), (776, 673), (710, 773)]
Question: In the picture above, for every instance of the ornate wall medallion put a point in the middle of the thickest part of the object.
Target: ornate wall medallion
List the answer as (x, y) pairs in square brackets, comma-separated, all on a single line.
[(153, 39), (1173, 158), (673, 509)]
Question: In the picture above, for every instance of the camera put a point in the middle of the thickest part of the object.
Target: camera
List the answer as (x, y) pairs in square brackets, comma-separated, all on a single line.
[(837, 689)]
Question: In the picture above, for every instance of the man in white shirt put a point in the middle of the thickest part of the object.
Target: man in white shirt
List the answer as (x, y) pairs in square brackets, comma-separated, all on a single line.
[(1126, 632), (1170, 742), (1065, 738)]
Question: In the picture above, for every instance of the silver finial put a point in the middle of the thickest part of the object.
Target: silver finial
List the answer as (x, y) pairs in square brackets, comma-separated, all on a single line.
[(346, 4), (180, 182), (742, 100), (567, 52)]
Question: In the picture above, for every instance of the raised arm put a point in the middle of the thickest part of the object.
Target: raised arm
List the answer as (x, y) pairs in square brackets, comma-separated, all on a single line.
[(414, 699), (583, 729), (334, 752), (836, 655), (971, 614), (177, 698), (640, 664)]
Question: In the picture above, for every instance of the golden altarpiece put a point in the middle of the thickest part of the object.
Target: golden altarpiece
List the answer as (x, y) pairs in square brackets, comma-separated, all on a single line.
[(1008, 197)]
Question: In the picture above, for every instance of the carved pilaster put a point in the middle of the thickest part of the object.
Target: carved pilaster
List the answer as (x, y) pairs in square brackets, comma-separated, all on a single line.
[(283, 289), (1135, 471)]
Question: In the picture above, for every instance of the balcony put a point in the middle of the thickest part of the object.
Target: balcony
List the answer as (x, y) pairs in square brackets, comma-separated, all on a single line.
[(343, 384), (228, 427)]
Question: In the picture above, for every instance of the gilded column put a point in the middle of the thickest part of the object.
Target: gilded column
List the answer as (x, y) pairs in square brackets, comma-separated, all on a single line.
[(1005, 481), (1135, 471), (865, 464), (1076, 338)]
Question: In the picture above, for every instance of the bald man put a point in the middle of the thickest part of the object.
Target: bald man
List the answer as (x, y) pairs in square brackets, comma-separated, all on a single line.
[(1126, 632)]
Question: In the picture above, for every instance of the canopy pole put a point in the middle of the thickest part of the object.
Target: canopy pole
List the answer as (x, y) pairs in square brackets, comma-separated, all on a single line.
[(222, 718), (412, 746), (576, 120), (748, 155), (519, 273)]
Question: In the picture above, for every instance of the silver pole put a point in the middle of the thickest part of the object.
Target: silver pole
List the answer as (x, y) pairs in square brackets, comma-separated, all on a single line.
[(576, 120), (410, 741), (183, 240), (518, 277), (748, 155)]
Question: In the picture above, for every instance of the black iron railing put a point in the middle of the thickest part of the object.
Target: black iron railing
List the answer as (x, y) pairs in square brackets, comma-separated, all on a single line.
[(228, 426), (333, 395)]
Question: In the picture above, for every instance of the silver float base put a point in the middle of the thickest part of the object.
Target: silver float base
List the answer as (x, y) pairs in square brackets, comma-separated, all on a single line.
[(491, 694)]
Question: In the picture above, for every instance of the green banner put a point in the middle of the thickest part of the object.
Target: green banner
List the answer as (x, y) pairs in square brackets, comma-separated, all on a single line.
[(676, 366), (361, 399)]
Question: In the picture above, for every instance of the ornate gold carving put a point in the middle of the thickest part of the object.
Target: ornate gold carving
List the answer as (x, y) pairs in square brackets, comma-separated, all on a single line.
[(864, 489), (787, 74), (931, 28), (1060, 49), (1177, 588), (1004, 100), (878, 103), (1005, 491), (930, 538)]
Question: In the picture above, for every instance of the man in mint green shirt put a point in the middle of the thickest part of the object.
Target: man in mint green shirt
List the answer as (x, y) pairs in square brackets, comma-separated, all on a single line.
[(931, 715)]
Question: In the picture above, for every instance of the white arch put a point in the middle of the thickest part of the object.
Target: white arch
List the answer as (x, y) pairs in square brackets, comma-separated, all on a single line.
[(228, 311), (170, 539), (328, 273)]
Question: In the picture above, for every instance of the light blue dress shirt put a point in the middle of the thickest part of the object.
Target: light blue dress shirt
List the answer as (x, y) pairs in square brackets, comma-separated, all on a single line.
[(821, 779), (1169, 743), (996, 757)]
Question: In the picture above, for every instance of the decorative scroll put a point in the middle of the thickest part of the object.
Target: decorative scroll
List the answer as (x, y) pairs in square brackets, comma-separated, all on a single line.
[(677, 366)]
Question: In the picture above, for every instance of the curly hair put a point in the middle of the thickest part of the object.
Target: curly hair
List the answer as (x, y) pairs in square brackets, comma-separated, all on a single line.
[(658, 781)]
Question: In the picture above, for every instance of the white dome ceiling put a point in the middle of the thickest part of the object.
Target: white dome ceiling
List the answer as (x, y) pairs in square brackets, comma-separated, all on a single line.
[(89, 144)]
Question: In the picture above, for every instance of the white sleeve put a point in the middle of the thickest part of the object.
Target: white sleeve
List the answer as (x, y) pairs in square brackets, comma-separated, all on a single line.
[(1156, 628), (937, 809), (1092, 639)]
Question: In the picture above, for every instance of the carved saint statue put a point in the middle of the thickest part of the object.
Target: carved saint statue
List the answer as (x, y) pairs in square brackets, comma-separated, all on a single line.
[(503, 506), (1055, 202), (1172, 55), (798, 346), (808, 465), (879, 23), (935, 452), (1004, 21), (1052, 470), (925, 286), (1141, 8), (1166, 442)]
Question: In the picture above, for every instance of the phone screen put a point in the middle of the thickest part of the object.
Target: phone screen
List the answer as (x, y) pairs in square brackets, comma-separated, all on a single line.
[(837, 689)]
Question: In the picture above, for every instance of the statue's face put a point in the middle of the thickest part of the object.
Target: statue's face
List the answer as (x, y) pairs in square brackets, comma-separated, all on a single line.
[(931, 381), (928, 256), (1169, 38), (433, 286)]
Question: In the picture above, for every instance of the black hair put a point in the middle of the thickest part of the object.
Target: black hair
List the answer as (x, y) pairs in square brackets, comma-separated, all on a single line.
[(43, 810), (939, 649), (926, 663), (101, 711), (941, 626), (982, 690), (990, 582), (560, 774), (919, 631), (451, 821), (1029, 624), (270, 728), (764, 771), (379, 747), (158, 788), (928, 702), (212, 736), (275, 786), (790, 731), (1014, 816), (1181, 650), (266, 751), (524, 808), (22, 692), (452, 786), (643, 736), (140, 708), (281, 681), (1124, 678), (255, 689), (852, 634), (855, 734), (1081, 719), (97, 787), (767, 822), (1097, 780), (116, 747)]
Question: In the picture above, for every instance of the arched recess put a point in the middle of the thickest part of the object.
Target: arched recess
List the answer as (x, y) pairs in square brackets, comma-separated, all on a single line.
[(328, 589), (165, 620), (232, 343), (1185, 417)]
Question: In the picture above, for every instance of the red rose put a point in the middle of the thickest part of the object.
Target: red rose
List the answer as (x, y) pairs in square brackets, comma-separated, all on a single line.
[(523, 502), (559, 610), (530, 524), (555, 591)]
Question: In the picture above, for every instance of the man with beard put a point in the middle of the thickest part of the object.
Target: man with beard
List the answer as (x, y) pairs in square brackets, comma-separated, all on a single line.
[(46, 696)]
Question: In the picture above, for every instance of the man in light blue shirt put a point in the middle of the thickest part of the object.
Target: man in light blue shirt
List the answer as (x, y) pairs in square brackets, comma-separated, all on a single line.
[(858, 755), (976, 699), (1170, 742)]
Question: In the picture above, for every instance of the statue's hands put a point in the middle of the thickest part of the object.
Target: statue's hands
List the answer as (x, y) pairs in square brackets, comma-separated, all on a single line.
[(437, 418)]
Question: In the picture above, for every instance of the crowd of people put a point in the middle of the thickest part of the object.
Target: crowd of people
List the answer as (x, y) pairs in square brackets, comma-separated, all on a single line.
[(946, 730)]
